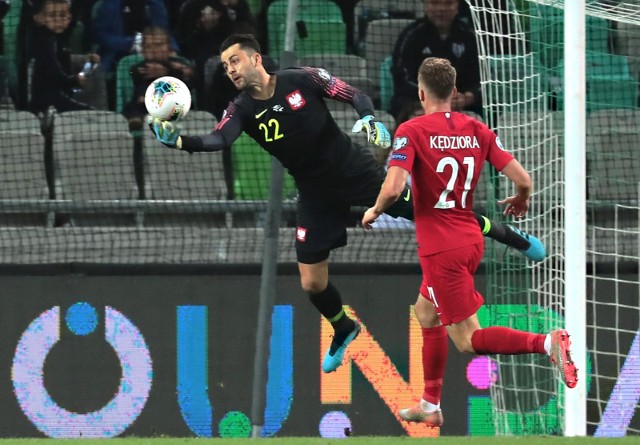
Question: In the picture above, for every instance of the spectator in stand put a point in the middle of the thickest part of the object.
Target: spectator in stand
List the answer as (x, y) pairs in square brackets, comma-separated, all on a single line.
[(159, 60), (202, 27), (118, 27), (239, 13), (53, 81), (442, 32), (173, 11)]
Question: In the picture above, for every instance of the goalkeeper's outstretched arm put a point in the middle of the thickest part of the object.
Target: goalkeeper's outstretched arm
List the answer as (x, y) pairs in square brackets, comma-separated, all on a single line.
[(221, 138)]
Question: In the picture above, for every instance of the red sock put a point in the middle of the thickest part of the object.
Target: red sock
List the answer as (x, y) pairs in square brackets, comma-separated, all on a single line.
[(499, 340), (435, 347)]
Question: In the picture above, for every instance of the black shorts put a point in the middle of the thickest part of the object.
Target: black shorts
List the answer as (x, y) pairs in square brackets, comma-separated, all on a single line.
[(324, 208)]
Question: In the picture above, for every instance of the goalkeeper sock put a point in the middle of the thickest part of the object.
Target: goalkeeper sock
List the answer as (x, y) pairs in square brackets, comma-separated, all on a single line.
[(329, 304), (435, 348), (501, 233), (500, 340)]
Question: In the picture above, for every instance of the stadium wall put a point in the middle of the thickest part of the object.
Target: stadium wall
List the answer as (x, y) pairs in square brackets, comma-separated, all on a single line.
[(102, 353)]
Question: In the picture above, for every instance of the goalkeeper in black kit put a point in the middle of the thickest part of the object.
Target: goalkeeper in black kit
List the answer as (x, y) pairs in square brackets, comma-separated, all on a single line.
[(285, 112)]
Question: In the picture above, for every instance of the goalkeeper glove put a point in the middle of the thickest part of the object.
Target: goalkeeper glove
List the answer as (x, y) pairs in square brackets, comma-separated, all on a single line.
[(377, 134), (166, 132)]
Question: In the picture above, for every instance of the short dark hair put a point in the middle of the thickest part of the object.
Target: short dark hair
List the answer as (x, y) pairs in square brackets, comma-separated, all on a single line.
[(246, 42), (438, 76), (39, 5), (156, 31)]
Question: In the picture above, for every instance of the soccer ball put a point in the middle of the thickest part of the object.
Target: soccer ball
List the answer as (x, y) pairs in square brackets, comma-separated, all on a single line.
[(168, 98)]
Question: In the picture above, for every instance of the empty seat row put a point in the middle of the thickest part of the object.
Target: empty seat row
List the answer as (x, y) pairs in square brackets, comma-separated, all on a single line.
[(92, 158)]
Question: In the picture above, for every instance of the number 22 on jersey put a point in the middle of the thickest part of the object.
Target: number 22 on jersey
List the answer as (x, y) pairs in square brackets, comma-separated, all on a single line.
[(443, 202), (271, 130)]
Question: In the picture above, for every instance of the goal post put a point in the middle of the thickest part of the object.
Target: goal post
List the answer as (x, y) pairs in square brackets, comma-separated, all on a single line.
[(575, 419)]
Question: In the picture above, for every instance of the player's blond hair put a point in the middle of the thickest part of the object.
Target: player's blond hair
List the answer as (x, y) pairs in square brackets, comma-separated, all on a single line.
[(438, 76)]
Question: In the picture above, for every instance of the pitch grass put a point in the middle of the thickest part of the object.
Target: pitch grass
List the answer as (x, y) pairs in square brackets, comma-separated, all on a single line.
[(530, 440)]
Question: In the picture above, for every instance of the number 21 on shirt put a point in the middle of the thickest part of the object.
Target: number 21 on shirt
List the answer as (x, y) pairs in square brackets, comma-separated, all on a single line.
[(448, 161)]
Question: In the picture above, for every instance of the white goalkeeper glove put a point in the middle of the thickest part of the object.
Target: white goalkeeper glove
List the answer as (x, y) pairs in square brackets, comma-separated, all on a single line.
[(166, 132), (377, 133)]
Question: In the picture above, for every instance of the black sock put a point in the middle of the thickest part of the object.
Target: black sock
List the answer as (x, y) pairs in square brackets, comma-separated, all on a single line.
[(501, 233), (329, 304)]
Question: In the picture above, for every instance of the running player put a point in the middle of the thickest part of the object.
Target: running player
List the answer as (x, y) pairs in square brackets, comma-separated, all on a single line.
[(444, 151)]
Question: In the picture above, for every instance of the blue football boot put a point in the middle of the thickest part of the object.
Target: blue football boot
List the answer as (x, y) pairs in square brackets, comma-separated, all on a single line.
[(333, 357), (535, 251)]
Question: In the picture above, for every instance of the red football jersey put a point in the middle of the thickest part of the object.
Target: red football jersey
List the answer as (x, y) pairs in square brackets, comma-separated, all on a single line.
[(444, 153)]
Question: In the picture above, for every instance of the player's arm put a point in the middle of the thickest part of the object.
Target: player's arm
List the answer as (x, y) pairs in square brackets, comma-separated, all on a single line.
[(517, 205), (333, 88), (393, 186), (223, 135)]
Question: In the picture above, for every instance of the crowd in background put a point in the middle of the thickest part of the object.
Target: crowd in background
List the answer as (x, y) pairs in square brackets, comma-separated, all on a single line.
[(66, 47), (69, 51)]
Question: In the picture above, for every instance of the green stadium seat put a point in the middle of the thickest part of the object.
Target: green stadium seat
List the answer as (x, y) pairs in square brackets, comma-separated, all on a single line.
[(322, 37), (609, 83), (10, 24), (386, 83), (124, 82), (325, 29), (547, 31), (252, 171)]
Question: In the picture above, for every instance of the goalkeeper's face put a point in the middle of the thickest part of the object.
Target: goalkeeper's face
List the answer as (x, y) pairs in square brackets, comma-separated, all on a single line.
[(241, 66)]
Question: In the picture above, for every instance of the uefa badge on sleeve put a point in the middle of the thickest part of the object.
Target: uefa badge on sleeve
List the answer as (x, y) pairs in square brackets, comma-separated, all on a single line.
[(400, 142)]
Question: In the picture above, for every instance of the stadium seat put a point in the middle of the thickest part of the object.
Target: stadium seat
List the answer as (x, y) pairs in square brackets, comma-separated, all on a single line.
[(609, 83), (93, 159), (368, 10), (174, 175), (124, 82), (386, 83), (613, 167), (10, 24), (380, 40), (170, 174), (613, 121), (320, 28), (317, 37), (22, 171), (340, 65), (628, 45), (547, 28), (252, 171)]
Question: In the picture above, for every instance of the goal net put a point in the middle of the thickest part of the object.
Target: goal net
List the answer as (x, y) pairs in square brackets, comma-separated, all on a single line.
[(521, 57)]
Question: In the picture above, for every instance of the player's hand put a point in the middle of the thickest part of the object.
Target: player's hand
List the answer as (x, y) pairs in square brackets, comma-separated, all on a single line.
[(166, 132), (377, 133), (369, 218), (515, 206)]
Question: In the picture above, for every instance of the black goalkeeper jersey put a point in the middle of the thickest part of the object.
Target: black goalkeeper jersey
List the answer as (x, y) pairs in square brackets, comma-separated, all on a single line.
[(294, 125)]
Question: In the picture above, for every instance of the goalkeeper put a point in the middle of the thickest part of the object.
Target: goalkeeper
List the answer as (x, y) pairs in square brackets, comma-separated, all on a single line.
[(286, 114)]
